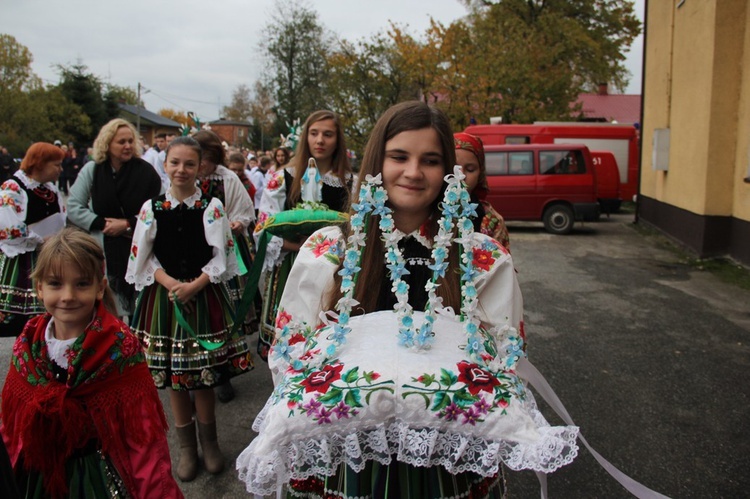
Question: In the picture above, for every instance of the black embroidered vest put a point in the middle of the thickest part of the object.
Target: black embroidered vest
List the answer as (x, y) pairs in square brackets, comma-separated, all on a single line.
[(180, 244), (42, 203)]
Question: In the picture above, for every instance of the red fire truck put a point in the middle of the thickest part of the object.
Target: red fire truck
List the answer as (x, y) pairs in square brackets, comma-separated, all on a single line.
[(620, 140)]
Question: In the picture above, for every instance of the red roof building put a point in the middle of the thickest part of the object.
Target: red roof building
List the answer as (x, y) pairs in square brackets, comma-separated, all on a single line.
[(607, 107)]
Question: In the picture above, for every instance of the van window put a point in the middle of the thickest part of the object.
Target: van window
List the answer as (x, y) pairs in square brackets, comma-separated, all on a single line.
[(561, 162), (497, 163), (520, 163)]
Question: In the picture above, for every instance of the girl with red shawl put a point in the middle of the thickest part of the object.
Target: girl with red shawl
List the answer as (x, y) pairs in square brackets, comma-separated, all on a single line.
[(80, 413)]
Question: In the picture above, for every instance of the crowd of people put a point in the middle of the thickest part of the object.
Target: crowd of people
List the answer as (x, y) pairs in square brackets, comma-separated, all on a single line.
[(124, 270)]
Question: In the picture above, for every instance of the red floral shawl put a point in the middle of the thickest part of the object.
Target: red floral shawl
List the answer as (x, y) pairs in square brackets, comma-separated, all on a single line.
[(109, 395)]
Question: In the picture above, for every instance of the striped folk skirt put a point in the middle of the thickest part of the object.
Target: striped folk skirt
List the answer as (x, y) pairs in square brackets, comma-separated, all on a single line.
[(18, 300), (176, 355)]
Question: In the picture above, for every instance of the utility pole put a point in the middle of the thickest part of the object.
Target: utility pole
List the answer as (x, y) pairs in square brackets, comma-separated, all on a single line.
[(138, 116)]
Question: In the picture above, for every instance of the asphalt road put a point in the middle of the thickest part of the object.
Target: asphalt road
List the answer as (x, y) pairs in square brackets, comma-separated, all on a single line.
[(649, 356)]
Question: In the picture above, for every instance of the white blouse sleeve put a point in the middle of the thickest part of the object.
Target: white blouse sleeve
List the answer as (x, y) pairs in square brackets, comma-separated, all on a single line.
[(273, 201), (239, 206), (15, 237), (308, 286), (498, 292), (223, 264), (142, 263)]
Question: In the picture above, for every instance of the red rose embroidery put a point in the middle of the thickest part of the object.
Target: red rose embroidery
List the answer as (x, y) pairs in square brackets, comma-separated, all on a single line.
[(134, 250), (296, 338), (130, 346), (320, 381), (323, 247), (483, 259), (282, 319), (476, 378)]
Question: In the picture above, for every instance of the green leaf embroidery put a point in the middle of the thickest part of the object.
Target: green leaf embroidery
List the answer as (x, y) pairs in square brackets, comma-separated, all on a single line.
[(351, 375), (352, 399)]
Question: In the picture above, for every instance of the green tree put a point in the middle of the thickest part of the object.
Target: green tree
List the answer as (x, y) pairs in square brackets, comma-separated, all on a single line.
[(31, 113), (15, 66), (86, 91), (263, 116), (538, 55), (114, 95), (240, 108), (295, 45), (365, 79)]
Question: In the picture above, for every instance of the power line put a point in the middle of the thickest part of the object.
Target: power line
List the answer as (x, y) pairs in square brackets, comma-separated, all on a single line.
[(181, 98)]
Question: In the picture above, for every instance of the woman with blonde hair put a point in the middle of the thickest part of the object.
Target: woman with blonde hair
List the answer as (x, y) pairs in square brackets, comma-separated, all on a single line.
[(31, 210), (107, 197)]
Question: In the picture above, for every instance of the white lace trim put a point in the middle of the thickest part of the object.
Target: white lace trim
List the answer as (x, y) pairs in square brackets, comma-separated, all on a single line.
[(424, 447), (144, 278), (274, 254), (398, 236), (29, 182)]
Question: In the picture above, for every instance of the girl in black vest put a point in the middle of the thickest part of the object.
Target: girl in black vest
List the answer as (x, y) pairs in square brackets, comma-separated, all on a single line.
[(182, 253), (30, 211)]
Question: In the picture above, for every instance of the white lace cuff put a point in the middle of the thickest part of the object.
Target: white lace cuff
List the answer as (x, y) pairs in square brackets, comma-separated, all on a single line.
[(274, 254), (15, 247)]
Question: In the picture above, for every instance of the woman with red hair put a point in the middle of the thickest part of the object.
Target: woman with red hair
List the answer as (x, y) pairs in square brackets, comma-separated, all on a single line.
[(31, 210)]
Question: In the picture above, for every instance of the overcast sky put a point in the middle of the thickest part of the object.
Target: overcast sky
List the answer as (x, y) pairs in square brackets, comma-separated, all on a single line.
[(191, 54)]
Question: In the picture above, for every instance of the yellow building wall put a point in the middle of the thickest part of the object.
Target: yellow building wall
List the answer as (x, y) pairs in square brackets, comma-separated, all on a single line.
[(694, 87), (656, 96), (730, 30), (741, 191)]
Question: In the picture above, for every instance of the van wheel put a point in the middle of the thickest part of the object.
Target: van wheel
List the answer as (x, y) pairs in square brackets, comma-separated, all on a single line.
[(558, 219)]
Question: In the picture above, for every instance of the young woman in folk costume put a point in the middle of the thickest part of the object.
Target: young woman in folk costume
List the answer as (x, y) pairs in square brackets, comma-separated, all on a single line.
[(322, 140), (218, 181), (31, 210), (182, 255), (281, 157), (80, 414), (470, 155), (388, 264)]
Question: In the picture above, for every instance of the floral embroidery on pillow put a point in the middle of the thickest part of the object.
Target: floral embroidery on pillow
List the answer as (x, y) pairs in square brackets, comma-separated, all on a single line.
[(470, 392), (336, 394)]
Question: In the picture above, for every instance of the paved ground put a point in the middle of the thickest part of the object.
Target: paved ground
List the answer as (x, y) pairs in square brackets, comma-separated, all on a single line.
[(649, 356)]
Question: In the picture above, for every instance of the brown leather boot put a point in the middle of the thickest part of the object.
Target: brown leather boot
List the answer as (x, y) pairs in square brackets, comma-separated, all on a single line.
[(212, 456), (187, 467)]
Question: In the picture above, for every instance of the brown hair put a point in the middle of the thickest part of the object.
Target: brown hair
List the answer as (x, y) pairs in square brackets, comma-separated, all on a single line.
[(340, 164), (264, 161), (213, 149), (40, 153), (237, 157), (403, 117), (287, 155), (73, 247)]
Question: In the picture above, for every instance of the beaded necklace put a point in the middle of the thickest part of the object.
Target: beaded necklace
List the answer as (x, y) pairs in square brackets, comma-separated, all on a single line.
[(456, 210)]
